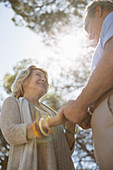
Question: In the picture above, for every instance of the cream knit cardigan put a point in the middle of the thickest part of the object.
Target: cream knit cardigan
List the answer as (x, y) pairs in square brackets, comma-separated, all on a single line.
[(32, 155)]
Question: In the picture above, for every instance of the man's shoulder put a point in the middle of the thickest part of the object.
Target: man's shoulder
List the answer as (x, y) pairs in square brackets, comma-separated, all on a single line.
[(108, 22), (107, 29)]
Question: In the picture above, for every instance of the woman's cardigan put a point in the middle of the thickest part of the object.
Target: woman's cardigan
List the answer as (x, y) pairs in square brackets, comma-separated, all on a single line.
[(54, 154)]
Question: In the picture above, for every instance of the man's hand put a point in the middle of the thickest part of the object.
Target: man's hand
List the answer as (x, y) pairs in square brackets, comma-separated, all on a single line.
[(86, 122), (74, 111)]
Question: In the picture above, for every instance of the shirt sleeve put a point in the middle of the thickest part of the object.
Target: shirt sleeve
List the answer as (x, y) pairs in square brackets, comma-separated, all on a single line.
[(12, 128), (108, 28)]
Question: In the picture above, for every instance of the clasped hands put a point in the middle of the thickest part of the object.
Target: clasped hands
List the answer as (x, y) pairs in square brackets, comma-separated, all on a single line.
[(72, 112)]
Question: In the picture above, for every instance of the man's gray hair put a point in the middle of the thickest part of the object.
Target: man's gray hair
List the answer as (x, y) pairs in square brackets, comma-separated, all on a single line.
[(106, 5)]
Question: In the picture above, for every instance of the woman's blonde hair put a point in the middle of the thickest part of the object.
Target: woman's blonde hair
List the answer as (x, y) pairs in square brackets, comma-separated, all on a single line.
[(17, 86)]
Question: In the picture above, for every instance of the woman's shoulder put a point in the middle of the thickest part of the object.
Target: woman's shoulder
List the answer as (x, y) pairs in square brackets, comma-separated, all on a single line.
[(10, 103), (10, 99)]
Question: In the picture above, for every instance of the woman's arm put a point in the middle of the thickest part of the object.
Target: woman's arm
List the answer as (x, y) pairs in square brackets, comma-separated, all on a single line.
[(12, 128), (14, 131)]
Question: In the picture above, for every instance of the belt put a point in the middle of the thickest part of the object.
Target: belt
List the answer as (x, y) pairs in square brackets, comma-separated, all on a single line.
[(85, 123), (92, 108)]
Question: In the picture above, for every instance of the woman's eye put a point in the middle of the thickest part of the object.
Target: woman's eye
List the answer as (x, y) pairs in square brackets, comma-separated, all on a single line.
[(37, 74)]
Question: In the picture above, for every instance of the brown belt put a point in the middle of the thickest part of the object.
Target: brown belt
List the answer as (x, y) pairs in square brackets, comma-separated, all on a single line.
[(101, 98), (85, 123)]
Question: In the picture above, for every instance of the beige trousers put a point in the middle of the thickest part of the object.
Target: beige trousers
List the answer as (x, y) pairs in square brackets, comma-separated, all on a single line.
[(102, 128)]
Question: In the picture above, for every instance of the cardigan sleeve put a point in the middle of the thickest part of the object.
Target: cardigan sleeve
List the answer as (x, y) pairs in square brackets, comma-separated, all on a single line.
[(13, 130)]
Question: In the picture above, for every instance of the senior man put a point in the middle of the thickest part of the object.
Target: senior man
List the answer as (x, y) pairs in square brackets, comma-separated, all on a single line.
[(98, 22)]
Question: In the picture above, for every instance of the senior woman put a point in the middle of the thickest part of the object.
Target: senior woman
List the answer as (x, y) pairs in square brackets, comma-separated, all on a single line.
[(31, 146)]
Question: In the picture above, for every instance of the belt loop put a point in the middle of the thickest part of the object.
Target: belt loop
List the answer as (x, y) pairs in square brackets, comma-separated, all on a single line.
[(89, 111)]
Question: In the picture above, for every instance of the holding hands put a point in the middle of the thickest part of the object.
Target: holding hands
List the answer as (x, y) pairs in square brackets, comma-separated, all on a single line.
[(72, 112)]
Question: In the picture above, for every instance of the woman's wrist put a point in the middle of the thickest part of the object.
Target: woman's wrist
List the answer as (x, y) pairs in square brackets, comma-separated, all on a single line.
[(33, 131), (29, 132), (36, 130)]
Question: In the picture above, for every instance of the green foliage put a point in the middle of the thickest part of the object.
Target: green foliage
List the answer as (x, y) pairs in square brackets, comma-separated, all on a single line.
[(84, 153), (9, 78), (45, 16), (23, 64), (4, 149), (53, 100), (8, 81)]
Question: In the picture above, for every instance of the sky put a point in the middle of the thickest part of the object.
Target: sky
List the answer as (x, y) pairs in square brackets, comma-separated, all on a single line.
[(18, 43)]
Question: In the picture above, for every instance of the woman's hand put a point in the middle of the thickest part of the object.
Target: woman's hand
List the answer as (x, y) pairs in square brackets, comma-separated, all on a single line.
[(29, 132), (56, 120), (33, 131)]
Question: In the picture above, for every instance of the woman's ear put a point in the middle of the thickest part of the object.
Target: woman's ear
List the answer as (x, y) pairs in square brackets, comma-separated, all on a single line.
[(98, 11)]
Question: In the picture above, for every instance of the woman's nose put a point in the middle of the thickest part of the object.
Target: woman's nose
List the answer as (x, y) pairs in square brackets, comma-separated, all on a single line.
[(43, 79)]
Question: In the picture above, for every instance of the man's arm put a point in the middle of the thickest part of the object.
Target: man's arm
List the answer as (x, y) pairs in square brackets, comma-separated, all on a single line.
[(100, 81), (102, 77)]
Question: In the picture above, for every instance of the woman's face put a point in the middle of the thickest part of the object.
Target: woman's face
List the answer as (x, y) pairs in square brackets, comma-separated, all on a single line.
[(36, 83)]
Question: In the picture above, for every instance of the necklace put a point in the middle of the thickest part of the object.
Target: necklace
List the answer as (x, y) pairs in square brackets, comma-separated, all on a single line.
[(41, 113)]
